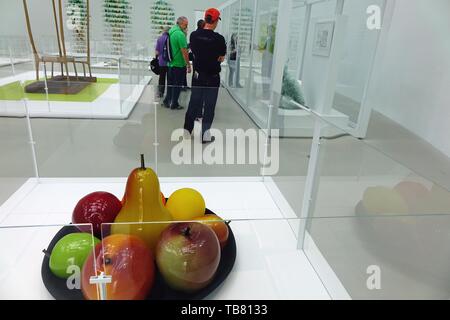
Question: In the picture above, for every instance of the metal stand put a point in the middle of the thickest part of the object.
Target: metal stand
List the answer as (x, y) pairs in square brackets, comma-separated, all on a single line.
[(311, 184)]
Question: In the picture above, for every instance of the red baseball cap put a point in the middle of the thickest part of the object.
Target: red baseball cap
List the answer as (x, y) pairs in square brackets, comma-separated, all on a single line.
[(214, 13)]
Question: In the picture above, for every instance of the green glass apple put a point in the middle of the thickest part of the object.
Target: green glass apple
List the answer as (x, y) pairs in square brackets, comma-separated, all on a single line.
[(72, 249)]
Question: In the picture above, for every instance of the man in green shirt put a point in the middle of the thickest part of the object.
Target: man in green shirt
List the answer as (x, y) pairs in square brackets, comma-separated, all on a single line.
[(178, 65)]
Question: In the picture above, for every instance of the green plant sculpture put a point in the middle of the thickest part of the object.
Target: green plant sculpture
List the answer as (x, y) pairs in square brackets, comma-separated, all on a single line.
[(162, 15), (77, 22), (117, 17), (291, 90)]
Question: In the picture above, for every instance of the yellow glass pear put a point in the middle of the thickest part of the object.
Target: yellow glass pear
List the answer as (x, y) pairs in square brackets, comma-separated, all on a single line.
[(142, 203)]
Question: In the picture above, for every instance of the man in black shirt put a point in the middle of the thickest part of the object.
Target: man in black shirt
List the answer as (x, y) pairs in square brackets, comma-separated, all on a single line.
[(200, 26), (209, 50)]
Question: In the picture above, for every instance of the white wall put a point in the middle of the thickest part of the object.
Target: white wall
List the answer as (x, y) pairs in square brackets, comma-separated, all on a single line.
[(412, 77)]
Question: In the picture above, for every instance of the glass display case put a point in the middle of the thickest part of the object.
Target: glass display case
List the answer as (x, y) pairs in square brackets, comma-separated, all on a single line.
[(321, 218), (324, 216), (113, 94), (315, 50)]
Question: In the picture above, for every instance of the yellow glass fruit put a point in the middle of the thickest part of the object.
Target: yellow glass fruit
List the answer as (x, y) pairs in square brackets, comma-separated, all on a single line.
[(186, 204), (142, 203), (383, 200)]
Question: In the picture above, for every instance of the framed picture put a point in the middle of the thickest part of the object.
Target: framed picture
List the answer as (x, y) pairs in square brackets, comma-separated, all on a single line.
[(323, 38)]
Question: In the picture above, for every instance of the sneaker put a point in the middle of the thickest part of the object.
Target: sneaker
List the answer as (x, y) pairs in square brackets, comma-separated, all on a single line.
[(209, 141), (177, 108), (165, 105)]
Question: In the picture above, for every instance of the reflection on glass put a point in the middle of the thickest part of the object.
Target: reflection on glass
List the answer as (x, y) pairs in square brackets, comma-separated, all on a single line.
[(262, 60), (356, 59), (44, 261)]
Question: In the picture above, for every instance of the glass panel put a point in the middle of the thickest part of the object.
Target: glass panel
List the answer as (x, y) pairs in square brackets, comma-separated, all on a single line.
[(296, 30), (317, 59), (16, 160), (134, 75), (110, 147), (355, 59), (89, 121), (236, 152), (44, 261), (291, 118), (241, 43), (234, 51), (256, 92), (384, 257), (329, 217), (225, 30), (391, 218), (238, 261)]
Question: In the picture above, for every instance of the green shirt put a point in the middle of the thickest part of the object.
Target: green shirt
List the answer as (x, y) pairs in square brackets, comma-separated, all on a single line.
[(177, 42)]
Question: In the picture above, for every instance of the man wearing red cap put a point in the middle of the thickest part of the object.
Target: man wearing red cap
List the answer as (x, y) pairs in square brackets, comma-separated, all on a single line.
[(209, 50)]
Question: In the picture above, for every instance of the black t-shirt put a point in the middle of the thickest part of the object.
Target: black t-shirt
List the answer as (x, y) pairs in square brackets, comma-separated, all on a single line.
[(207, 46)]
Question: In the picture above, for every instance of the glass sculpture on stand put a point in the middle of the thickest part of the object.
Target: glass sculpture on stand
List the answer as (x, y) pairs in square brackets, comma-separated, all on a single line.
[(63, 83)]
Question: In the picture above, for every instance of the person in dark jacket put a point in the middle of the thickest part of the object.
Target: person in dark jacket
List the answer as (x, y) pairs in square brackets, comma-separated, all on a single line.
[(200, 26), (209, 49)]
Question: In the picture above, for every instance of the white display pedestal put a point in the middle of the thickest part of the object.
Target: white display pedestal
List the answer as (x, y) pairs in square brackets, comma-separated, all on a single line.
[(268, 263), (109, 105)]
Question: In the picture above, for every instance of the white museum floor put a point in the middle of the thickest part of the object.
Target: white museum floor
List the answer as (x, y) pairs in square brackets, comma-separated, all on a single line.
[(117, 102), (268, 264)]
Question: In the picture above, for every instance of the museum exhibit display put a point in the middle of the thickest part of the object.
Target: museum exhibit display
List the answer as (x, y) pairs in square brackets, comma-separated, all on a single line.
[(259, 238), (117, 16), (162, 15), (71, 83), (324, 180), (77, 12), (319, 42), (63, 84)]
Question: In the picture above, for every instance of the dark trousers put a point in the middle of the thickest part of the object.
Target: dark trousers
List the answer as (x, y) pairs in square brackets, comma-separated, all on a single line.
[(162, 80), (199, 110), (185, 78), (205, 90), (174, 83)]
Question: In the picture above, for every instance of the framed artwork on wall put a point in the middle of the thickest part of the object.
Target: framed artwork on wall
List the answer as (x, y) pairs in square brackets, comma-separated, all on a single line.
[(323, 38)]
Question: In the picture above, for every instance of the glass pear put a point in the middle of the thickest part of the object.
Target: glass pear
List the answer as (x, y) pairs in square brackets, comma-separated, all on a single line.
[(142, 205)]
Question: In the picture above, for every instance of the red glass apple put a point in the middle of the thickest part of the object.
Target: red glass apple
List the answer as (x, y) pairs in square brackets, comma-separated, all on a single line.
[(188, 255), (96, 208), (128, 260)]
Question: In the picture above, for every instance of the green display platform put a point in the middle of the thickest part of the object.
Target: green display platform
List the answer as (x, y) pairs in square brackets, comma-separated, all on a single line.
[(15, 92)]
